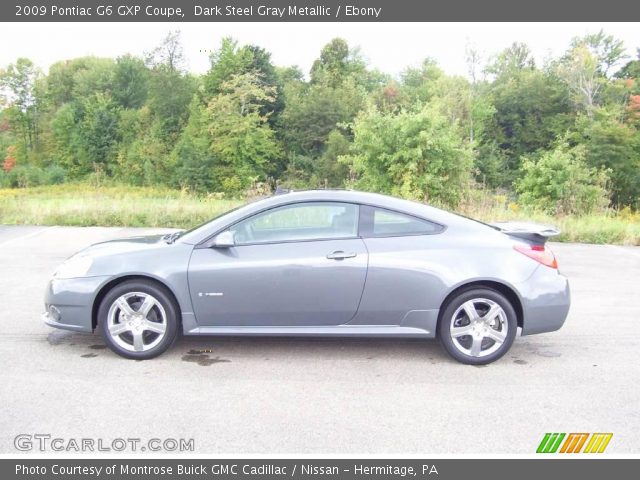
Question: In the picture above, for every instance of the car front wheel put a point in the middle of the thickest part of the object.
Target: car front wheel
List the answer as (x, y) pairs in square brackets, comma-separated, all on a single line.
[(477, 326), (138, 319)]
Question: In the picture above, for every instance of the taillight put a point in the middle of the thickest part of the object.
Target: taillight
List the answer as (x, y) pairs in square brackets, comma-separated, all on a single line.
[(539, 254)]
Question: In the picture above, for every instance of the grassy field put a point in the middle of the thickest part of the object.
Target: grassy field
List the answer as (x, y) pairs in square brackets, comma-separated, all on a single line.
[(85, 205)]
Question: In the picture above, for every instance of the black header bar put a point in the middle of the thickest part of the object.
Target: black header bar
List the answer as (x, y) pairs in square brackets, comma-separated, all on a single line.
[(317, 10)]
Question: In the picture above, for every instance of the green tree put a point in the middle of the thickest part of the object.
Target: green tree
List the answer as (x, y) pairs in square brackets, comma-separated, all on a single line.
[(606, 49), (19, 90), (226, 61), (336, 63), (95, 78), (67, 146), (193, 157), (586, 66), (99, 132), (169, 96), (532, 107), (130, 82), (313, 111), (613, 145), (169, 55), (241, 137), (415, 155), (230, 60), (419, 84), (170, 89), (328, 169), (631, 69), (561, 183)]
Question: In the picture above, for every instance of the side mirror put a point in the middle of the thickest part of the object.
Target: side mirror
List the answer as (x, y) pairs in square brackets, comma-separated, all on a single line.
[(224, 240)]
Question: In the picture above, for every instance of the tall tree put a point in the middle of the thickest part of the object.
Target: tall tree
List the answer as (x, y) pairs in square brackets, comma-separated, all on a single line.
[(170, 89), (532, 107), (19, 90), (169, 54), (242, 139), (130, 82), (606, 49), (337, 62), (230, 60)]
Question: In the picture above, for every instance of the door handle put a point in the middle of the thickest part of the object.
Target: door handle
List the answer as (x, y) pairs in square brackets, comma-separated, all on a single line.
[(340, 255)]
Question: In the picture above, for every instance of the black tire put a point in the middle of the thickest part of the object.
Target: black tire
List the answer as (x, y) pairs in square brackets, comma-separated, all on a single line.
[(453, 347), (166, 306)]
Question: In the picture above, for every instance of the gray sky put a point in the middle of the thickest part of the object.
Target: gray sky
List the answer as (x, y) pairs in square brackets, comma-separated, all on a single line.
[(390, 47)]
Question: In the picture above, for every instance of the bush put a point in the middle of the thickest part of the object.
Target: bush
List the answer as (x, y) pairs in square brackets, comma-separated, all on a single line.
[(27, 176), (55, 175), (24, 176), (560, 182), (417, 155)]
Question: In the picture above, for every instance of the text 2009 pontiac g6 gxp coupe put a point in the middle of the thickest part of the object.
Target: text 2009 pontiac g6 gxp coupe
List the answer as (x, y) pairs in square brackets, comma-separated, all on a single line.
[(329, 263)]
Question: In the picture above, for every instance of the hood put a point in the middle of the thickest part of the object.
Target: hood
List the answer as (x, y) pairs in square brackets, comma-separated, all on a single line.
[(122, 245)]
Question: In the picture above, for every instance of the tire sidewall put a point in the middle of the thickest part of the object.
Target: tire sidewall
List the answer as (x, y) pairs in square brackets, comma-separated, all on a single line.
[(161, 295), (444, 325)]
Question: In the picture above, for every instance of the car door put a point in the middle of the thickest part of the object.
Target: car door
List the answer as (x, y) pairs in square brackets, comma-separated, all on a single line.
[(301, 264), (403, 280)]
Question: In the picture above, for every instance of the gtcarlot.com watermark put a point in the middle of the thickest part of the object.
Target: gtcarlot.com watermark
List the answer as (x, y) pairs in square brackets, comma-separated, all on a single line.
[(45, 442)]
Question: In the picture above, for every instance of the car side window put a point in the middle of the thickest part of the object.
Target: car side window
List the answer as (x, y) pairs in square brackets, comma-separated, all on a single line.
[(390, 223), (298, 222)]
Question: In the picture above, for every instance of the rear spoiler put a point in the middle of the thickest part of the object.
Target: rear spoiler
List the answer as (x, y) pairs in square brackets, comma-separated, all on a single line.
[(533, 232)]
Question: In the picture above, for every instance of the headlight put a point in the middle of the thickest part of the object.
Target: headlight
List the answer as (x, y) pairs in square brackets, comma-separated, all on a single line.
[(74, 267)]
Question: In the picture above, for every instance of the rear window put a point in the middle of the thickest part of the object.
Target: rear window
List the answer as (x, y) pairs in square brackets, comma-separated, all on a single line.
[(386, 222)]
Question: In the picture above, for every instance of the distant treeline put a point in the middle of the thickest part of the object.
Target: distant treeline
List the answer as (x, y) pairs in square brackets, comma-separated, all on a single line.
[(563, 136)]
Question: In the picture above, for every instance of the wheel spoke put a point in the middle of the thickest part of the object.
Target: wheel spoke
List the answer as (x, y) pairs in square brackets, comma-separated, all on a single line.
[(124, 306), (461, 331), (146, 306), (138, 343), (470, 310), (116, 329), (476, 346), (495, 335), (154, 327), (492, 313)]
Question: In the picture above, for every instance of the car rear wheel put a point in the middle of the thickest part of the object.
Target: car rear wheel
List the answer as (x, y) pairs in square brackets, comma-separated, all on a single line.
[(138, 319), (477, 326)]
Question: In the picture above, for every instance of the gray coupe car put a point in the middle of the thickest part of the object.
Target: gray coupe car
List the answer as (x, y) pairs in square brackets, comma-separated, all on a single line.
[(324, 263)]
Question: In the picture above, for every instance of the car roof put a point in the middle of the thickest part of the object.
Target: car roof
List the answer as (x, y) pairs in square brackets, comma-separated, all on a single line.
[(350, 196), (365, 198)]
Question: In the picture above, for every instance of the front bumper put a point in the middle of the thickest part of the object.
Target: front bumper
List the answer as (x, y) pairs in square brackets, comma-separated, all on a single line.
[(69, 302), (546, 299)]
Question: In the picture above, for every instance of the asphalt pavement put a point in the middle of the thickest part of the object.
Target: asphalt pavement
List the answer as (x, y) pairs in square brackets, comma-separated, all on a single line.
[(321, 396)]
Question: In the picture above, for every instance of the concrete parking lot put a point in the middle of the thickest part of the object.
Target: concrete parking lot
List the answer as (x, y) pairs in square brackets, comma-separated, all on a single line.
[(293, 395)]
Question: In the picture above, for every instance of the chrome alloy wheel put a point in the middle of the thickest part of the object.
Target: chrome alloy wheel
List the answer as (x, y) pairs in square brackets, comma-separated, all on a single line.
[(137, 321), (479, 327)]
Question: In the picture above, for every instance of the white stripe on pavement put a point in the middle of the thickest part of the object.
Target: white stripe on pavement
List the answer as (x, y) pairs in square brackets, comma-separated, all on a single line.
[(28, 235)]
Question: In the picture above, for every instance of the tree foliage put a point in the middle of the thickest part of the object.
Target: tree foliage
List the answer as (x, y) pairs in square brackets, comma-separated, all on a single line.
[(422, 134), (561, 182), (416, 155)]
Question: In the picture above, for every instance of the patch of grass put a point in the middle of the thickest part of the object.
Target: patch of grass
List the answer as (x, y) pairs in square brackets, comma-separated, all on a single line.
[(85, 205), (119, 205)]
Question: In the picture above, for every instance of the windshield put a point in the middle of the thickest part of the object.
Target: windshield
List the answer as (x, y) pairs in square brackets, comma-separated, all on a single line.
[(183, 233)]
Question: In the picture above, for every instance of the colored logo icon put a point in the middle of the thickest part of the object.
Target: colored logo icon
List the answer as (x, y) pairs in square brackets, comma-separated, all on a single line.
[(574, 443)]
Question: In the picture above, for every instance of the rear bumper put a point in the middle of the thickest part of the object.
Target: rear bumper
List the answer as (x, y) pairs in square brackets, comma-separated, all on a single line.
[(546, 299), (69, 302)]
